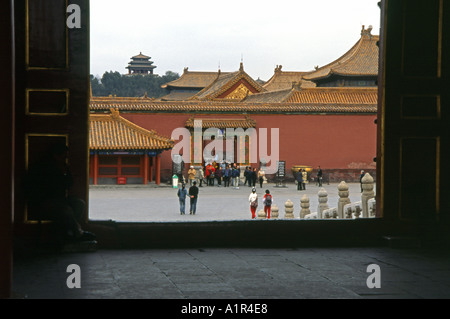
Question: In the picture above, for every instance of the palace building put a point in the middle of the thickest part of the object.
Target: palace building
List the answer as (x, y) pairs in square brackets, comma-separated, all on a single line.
[(121, 151), (322, 117), (202, 86)]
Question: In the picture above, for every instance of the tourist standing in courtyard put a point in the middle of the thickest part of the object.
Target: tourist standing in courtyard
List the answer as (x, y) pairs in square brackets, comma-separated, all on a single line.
[(305, 179), (319, 176), (193, 194), (235, 174), (219, 174), (253, 176), (247, 172), (360, 180), (182, 193), (191, 175), (226, 176), (299, 180), (261, 175), (201, 176), (253, 199), (210, 174), (267, 202)]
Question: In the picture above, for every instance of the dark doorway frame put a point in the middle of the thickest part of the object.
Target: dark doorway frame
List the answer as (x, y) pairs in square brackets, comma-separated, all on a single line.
[(362, 232)]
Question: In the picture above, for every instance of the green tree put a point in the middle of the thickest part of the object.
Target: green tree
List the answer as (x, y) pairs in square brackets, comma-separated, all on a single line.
[(114, 83)]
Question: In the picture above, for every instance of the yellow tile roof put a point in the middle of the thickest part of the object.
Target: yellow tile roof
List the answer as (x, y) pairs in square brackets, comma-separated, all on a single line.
[(360, 60), (222, 123), (224, 82), (282, 80), (113, 132), (141, 56), (194, 79), (269, 97), (357, 103), (174, 95), (343, 95)]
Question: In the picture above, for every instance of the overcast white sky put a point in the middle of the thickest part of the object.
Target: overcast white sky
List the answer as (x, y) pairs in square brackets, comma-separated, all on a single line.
[(203, 34)]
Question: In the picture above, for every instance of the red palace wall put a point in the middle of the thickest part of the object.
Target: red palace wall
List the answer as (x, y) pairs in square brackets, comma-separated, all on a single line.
[(341, 144)]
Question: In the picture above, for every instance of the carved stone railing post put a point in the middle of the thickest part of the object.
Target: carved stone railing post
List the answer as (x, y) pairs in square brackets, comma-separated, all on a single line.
[(289, 209), (261, 214), (304, 204), (348, 211), (357, 211), (330, 213), (372, 207), (274, 213), (323, 199), (343, 198), (367, 193)]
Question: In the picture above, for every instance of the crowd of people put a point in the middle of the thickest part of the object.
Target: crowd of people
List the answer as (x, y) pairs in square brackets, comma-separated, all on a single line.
[(225, 175)]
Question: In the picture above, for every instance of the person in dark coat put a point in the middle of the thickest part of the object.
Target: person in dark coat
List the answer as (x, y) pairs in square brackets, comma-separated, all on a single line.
[(182, 193), (193, 194), (254, 176), (219, 174), (299, 180), (226, 176), (319, 176), (235, 174), (360, 180), (247, 176)]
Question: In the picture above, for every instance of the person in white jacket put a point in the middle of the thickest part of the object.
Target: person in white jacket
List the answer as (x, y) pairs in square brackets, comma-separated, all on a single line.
[(253, 199)]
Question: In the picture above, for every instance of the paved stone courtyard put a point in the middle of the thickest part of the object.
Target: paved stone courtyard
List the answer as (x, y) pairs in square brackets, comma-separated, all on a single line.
[(227, 275), (150, 203), (238, 273)]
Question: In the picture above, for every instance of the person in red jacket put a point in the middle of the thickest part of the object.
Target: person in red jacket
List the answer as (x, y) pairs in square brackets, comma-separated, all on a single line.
[(267, 202), (253, 199)]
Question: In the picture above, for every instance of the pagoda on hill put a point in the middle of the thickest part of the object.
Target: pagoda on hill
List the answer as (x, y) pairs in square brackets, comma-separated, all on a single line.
[(140, 64)]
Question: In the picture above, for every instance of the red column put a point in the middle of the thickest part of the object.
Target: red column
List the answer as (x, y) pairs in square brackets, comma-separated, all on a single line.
[(145, 169), (150, 178), (158, 169), (95, 173)]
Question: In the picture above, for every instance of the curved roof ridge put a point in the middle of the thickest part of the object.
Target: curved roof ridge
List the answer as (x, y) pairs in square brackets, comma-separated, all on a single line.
[(223, 83), (346, 58), (365, 102), (129, 131), (194, 79), (203, 92)]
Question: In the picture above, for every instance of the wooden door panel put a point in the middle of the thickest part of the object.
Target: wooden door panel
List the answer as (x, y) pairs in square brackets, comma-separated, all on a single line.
[(52, 88), (414, 110)]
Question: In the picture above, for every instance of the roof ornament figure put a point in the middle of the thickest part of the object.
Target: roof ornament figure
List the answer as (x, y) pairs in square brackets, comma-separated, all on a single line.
[(115, 113), (366, 32)]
